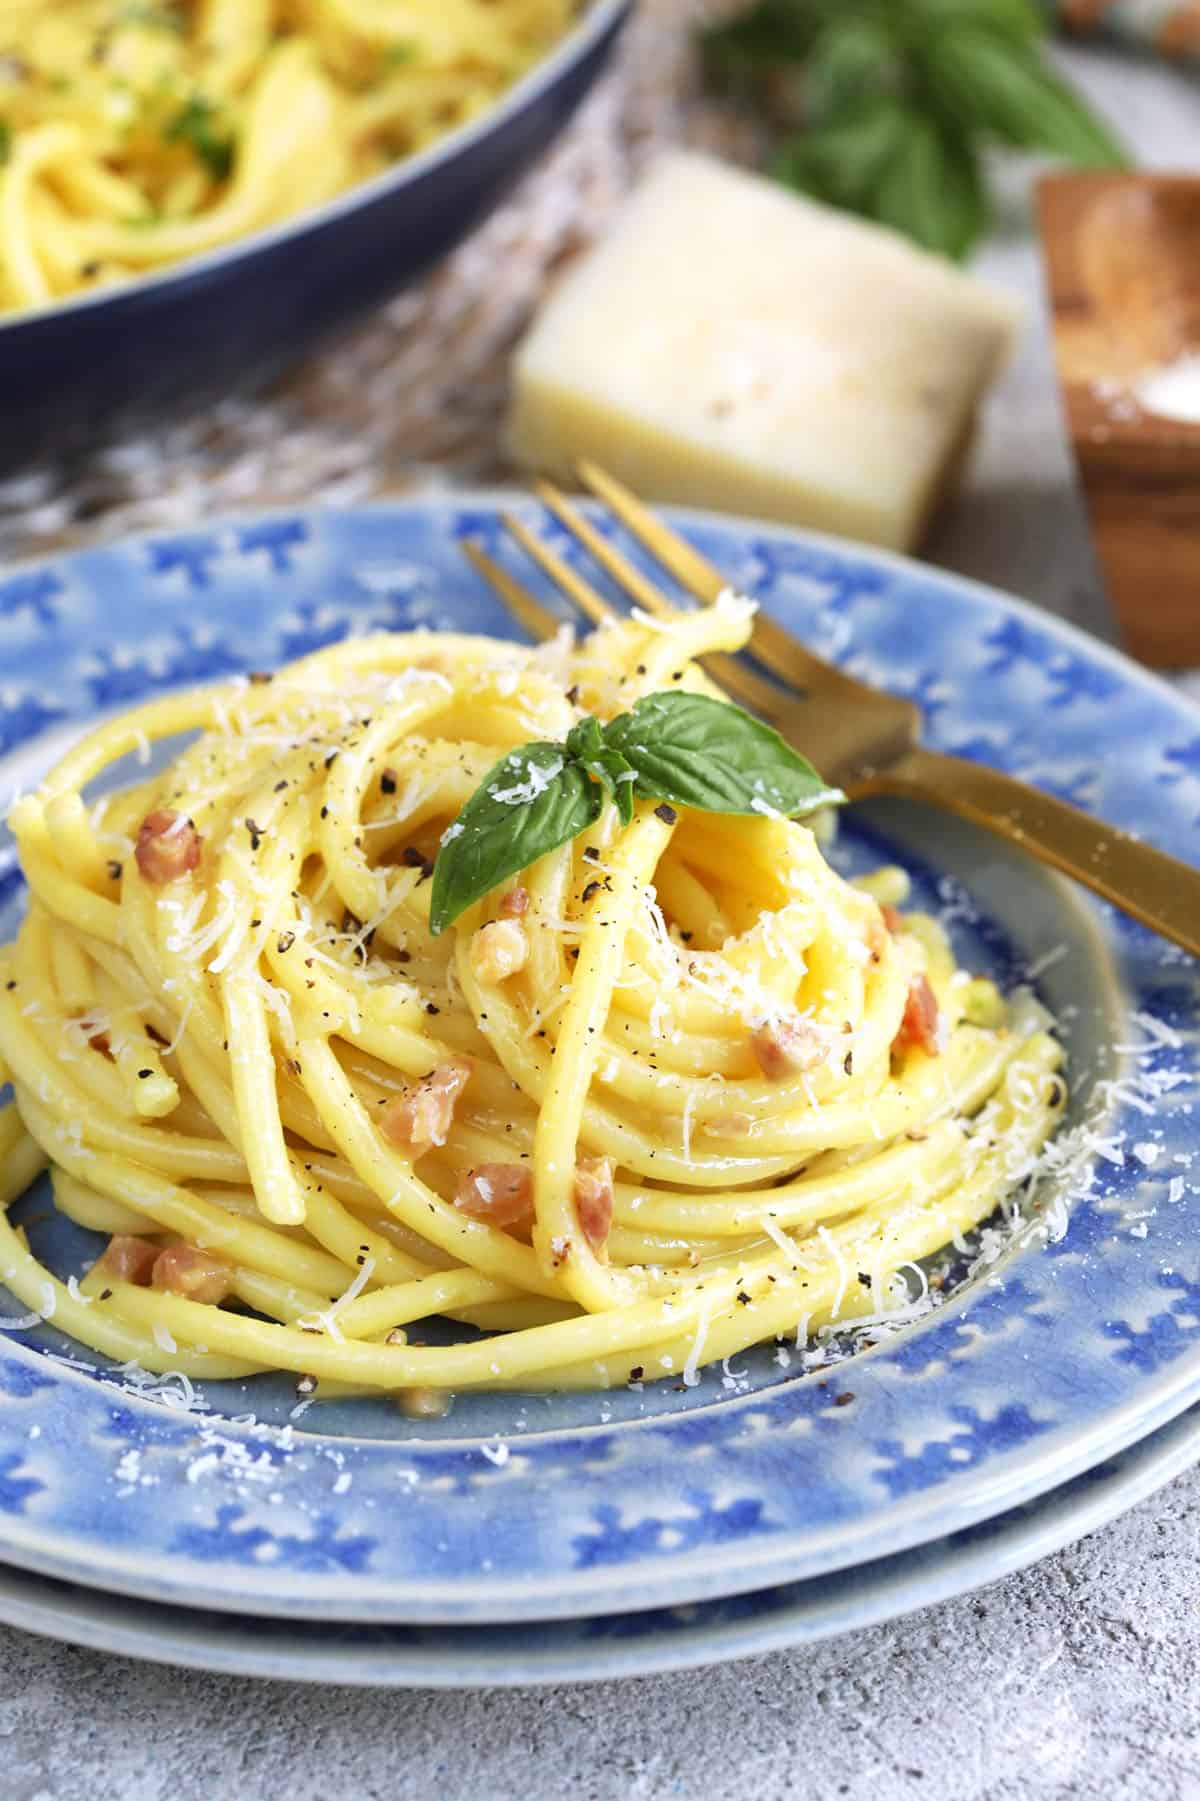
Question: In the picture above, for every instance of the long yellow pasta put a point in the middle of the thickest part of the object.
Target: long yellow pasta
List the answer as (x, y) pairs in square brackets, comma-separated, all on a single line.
[(132, 136), (219, 1040)]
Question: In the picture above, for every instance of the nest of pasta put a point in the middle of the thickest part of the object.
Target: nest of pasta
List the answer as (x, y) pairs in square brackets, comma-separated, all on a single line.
[(676, 1089)]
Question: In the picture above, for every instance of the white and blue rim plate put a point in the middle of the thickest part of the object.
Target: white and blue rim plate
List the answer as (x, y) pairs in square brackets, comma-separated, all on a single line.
[(540, 1507), (599, 1648)]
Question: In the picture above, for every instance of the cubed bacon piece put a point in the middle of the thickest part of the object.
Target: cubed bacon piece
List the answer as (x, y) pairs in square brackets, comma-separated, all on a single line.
[(921, 1020), (423, 1116), (129, 1259), (594, 1200), (182, 1269), (783, 1049), (168, 846), (515, 903), (729, 1125), (423, 1403), (500, 1193), (498, 950)]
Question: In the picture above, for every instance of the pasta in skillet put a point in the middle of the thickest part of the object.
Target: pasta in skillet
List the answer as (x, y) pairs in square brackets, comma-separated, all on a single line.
[(132, 136)]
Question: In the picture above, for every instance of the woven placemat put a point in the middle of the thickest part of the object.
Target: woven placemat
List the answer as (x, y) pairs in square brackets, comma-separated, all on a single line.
[(414, 396)]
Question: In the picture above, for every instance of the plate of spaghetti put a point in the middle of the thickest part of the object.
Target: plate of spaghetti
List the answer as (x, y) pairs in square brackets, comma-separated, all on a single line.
[(488, 1137), (275, 161)]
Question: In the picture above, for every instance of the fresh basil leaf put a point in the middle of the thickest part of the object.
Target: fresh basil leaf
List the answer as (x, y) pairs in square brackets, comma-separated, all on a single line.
[(5, 141), (614, 774), (932, 190), (852, 60), (586, 745), (622, 787), (842, 163), (530, 802), (900, 97), (585, 739), (990, 83), (1021, 20), (709, 754), (772, 31)]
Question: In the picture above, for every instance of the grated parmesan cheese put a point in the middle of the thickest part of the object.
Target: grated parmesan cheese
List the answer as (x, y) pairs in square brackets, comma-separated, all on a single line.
[(537, 782), (831, 1245), (690, 1369)]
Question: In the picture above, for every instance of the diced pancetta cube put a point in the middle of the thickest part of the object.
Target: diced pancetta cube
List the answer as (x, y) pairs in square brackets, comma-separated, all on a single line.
[(594, 1199), (920, 1021), (782, 1048), (168, 846), (129, 1259), (500, 1193), (423, 1116), (498, 950), (182, 1269)]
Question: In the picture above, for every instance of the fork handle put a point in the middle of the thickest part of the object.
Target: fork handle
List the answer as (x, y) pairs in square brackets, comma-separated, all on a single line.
[(1158, 890)]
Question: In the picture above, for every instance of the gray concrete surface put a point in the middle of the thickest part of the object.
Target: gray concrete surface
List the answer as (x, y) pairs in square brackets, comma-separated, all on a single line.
[(1076, 1679)]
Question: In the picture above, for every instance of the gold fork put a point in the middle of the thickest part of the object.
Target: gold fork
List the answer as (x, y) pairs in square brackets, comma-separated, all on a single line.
[(865, 741)]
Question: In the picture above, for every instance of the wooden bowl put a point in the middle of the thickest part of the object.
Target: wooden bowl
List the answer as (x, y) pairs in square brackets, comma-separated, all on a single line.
[(1122, 256)]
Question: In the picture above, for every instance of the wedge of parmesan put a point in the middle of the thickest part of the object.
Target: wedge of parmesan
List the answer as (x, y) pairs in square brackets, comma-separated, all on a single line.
[(728, 344)]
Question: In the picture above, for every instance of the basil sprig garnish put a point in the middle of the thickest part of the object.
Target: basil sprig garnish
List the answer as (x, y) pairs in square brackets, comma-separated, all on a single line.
[(901, 102), (687, 749)]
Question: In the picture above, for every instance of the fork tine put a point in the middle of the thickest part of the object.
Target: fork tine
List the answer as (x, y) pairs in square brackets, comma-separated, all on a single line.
[(540, 623), (538, 620), (726, 671), (573, 586), (690, 569), (774, 647), (639, 587)]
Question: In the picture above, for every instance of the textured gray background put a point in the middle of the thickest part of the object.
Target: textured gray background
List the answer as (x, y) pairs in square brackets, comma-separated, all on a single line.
[(1077, 1678)]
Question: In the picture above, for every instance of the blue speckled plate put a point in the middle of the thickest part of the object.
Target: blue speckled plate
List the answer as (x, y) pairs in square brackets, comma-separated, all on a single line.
[(601, 1647), (535, 1507)]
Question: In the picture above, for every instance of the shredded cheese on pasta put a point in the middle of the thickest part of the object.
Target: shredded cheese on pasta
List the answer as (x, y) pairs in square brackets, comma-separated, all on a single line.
[(723, 1098)]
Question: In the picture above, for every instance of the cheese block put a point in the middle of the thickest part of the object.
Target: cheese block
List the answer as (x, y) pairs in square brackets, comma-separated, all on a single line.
[(730, 345)]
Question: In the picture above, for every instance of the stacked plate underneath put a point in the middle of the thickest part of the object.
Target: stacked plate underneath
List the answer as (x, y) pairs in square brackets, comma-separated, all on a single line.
[(532, 1538)]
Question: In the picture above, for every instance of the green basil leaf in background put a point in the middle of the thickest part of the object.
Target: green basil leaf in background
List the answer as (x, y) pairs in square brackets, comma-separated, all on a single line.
[(899, 98), (709, 754), (586, 745), (5, 141), (989, 82), (842, 163), (932, 190), (772, 31), (530, 802), (1024, 21), (852, 59)]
